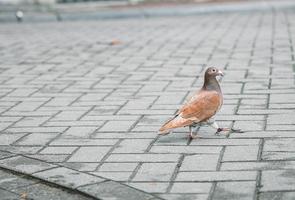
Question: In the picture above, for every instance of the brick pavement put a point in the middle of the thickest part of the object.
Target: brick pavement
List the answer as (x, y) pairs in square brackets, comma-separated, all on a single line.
[(70, 98)]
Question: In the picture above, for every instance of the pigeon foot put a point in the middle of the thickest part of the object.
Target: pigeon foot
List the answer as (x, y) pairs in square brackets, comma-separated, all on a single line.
[(231, 130)]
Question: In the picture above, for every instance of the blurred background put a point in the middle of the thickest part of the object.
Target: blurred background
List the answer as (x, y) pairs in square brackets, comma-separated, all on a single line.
[(58, 10)]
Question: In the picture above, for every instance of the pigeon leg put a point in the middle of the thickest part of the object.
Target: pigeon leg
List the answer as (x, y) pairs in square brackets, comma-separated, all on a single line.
[(218, 130), (191, 133)]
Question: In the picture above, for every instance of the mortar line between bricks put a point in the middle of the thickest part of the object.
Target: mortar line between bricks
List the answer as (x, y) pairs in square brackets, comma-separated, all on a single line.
[(77, 98), (218, 166), (175, 173), (55, 138), (11, 125), (102, 161), (51, 117), (133, 174), (290, 42), (71, 154)]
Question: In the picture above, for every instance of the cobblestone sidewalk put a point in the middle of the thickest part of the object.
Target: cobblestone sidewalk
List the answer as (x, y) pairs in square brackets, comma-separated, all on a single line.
[(69, 97)]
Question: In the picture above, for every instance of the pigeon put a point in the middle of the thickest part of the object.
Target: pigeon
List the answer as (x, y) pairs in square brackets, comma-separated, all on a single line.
[(201, 108)]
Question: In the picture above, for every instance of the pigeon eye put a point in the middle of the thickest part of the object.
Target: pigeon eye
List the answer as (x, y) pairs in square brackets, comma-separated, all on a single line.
[(213, 70)]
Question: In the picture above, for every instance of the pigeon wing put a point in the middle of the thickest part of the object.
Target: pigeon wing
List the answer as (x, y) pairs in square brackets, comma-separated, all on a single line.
[(202, 106)]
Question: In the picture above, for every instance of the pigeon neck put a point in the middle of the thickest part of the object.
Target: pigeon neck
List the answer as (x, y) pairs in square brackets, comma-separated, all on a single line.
[(211, 83)]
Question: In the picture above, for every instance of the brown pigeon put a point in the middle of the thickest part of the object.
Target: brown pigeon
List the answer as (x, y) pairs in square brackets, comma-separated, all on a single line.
[(201, 108)]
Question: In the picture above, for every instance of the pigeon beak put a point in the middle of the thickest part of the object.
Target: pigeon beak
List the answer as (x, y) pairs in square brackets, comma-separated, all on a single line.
[(220, 73)]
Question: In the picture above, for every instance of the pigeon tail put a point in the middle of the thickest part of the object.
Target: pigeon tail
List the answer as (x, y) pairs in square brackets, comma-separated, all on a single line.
[(175, 122)]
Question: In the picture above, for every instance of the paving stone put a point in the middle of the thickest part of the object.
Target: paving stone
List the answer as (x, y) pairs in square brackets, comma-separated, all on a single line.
[(28, 106), (279, 144), (118, 167), (155, 172), (83, 167), (8, 139), (186, 149), (37, 139), (267, 165), (216, 176), (133, 146), (68, 177), (275, 155), (143, 158), (83, 132), (185, 196), (26, 165), (202, 162), (58, 150), (227, 142), (281, 119), (115, 176), (69, 115), (234, 190), (277, 180), (277, 195), (89, 154), (191, 187), (111, 189), (112, 126), (240, 153), (31, 121), (150, 187), (83, 142)]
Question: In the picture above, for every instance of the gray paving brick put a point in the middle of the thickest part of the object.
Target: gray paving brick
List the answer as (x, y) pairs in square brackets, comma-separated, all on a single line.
[(202, 162), (28, 106), (112, 126), (111, 189), (8, 139), (240, 153), (277, 180), (155, 172), (68, 177), (58, 150), (265, 165), (80, 132), (143, 158), (37, 139), (191, 187), (279, 144), (277, 195), (115, 176), (151, 187), (26, 165), (217, 176), (69, 115), (133, 146), (83, 142), (118, 167), (185, 196), (186, 149), (89, 154), (31, 121), (235, 190)]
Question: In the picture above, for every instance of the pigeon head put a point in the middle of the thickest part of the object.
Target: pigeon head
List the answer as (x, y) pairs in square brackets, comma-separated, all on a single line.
[(210, 82), (213, 72)]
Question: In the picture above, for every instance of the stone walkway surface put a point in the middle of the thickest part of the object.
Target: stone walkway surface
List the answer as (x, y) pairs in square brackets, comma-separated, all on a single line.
[(81, 111)]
